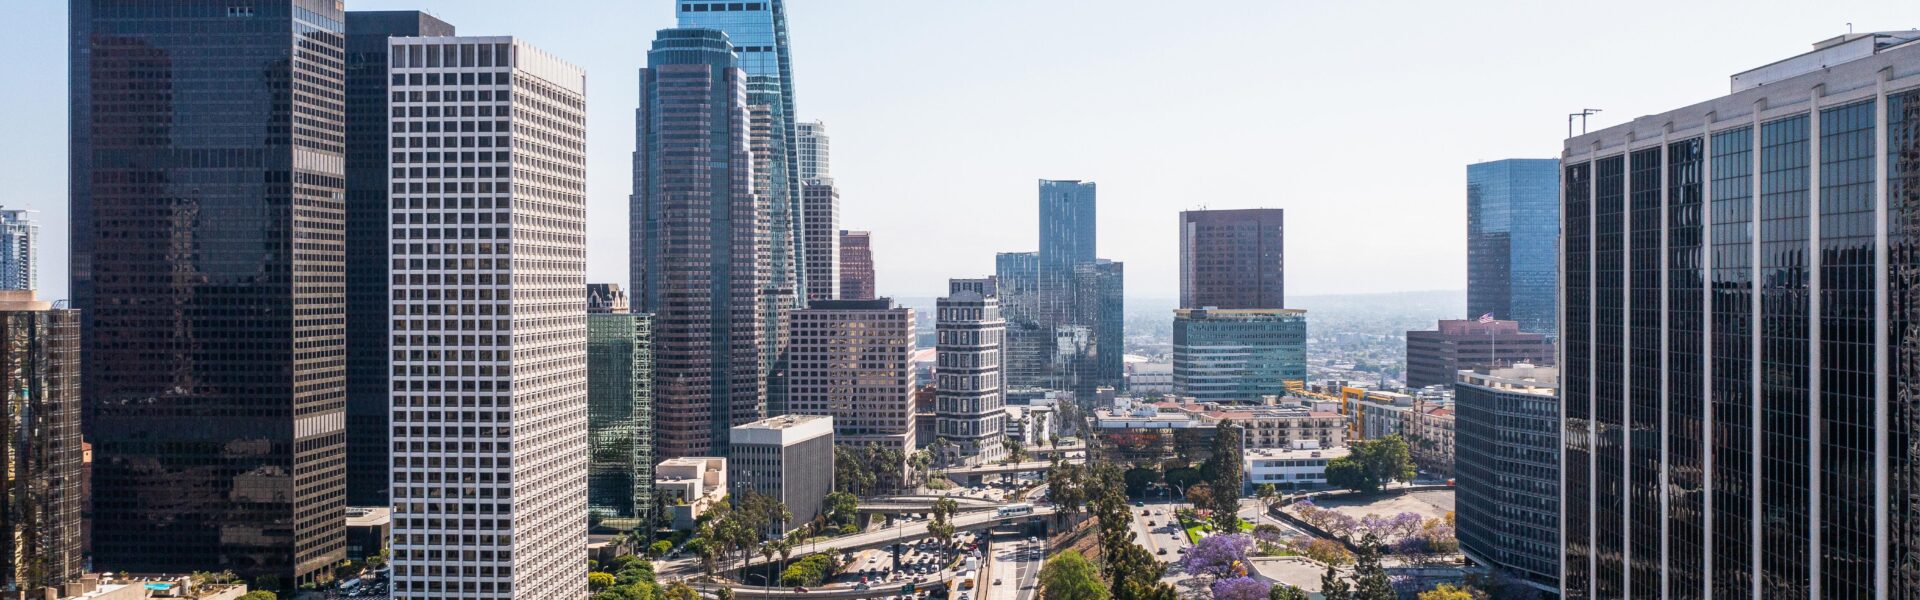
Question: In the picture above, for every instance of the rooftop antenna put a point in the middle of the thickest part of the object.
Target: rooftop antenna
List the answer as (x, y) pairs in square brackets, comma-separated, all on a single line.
[(1849, 28), (1583, 114)]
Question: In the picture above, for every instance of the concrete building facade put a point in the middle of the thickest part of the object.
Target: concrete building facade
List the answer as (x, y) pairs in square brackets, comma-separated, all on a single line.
[(489, 328), (968, 380), (788, 457), (851, 362), (1507, 471)]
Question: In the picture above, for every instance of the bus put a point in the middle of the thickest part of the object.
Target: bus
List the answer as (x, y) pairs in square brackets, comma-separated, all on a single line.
[(1011, 510)]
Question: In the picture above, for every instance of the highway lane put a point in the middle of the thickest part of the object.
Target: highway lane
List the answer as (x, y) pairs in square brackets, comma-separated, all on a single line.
[(870, 539)]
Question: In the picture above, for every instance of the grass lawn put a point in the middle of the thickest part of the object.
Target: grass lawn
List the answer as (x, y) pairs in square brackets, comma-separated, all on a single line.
[(1198, 529)]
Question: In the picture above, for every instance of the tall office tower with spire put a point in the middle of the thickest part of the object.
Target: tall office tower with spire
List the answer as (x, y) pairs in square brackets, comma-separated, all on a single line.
[(1233, 259), (207, 175), (1740, 337), (19, 250), (698, 251), (969, 402), (1513, 237), (758, 31), (489, 327), (368, 307), (856, 265), (40, 444), (778, 296)]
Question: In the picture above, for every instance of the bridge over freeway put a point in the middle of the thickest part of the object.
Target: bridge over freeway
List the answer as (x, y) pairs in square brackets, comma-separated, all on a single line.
[(1025, 467), (871, 539), (921, 504)]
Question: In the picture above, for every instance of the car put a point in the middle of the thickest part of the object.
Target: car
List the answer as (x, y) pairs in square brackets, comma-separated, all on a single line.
[(1162, 552), (1151, 524), (862, 586), (996, 581), (799, 590), (1145, 513), (1183, 549)]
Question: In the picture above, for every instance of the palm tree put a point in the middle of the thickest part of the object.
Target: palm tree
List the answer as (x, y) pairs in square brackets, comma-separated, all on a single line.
[(767, 550)]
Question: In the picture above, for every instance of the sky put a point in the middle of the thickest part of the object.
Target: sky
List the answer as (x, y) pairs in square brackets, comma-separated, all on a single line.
[(1357, 117)]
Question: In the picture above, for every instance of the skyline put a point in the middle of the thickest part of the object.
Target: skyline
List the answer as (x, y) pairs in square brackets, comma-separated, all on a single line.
[(977, 179)]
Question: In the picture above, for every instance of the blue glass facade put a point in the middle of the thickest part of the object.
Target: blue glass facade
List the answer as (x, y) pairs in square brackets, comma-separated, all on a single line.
[(1513, 236), (758, 31)]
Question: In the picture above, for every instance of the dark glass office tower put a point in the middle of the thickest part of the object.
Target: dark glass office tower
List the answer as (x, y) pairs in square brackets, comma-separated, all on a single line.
[(207, 191), (1025, 353), (698, 250), (44, 487), (1233, 258), (758, 31), (1100, 287), (368, 307), (1513, 233), (1739, 338)]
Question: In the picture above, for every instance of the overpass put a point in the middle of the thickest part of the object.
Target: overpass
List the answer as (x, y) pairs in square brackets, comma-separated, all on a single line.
[(1043, 451), (1025, 467), (835, 591), (922, 504), (871, 539)]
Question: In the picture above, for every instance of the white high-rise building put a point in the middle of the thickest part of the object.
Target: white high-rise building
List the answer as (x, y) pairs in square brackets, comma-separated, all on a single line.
[(821, 234), (489, 386), (969, 404), (19, 250), (813, 151)]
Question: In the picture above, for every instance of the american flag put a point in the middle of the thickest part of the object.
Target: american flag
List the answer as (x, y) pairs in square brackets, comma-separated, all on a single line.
[(1486, 318)]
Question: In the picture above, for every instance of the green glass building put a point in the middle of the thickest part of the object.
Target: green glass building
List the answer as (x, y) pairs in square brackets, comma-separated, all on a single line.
[(619, 411), (1238, 355)]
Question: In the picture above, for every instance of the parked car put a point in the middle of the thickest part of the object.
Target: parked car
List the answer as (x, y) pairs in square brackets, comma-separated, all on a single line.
[(800, 590)]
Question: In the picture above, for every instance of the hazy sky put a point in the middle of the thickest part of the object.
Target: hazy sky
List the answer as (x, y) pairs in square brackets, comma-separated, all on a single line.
[(1356, 117)]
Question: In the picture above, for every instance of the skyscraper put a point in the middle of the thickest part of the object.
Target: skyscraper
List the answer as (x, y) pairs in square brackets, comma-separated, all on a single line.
[(40, 505), (822, 198), (1238, 355), (1435, 357), (19, 250), (1507, 465), (1067, 235), (619, 412), (1513, 235), (489, 261), (1025, 357), (698, 254), (856, 265), (207, 264), (368, 306), (758, 31), (969, 404), (814, 151), (1100, 288), (1233, 258), (852, 361), (1738, 336)]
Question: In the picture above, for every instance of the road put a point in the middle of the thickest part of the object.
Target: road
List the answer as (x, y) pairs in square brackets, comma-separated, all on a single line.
[(871, 539), (1255, 511), (1016, 568)]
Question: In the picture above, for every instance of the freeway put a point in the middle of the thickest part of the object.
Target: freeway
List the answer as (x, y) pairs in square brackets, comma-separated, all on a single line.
[(754, 591), (921, 504), (872, 539)]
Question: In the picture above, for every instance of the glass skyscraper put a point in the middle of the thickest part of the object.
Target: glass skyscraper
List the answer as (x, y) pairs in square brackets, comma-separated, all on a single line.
[(19, 250), (40, 444), (207, 182), (619, 412), (1513, 235), (1067, 240), (698, 259), (758, 31), (1741, 335), (1238, 355)]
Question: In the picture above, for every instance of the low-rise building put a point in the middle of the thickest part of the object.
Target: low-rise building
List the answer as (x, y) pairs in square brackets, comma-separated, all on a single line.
[(1300, 466), (1149, 378), (1146, 432), (689, 486), (1428, 428), (788, 457), (368, 528)]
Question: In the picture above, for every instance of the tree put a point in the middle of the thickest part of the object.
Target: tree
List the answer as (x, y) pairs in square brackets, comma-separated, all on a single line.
[(1267, 494), (259, 595), (659, 548), (1372, 464), (941, 527), (1200, 495), (1139, 479), (1069, 576), (723, 593), (681, 591), (1370, 580), (597, 581), (1286, 592), (1447, 592), (1333, 587), (1329, 552), (1240, 588), (1223, 473), (1222, 556)]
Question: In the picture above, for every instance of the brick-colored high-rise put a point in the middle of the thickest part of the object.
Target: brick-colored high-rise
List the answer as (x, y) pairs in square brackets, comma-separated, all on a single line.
[(856, 265), (1232, 258)]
